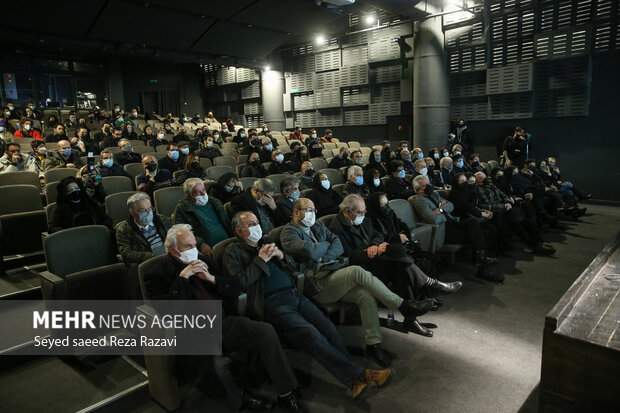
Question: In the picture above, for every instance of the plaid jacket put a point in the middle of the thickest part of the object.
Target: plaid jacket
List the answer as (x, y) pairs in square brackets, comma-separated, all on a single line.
[(490, 197)]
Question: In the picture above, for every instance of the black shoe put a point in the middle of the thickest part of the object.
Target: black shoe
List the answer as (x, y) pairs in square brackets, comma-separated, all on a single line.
[(413, 325), (447, 288), (485, 274), (584, 197), (291, 403), (255, 404), (437, 302), (415, 308), (379, 355), (481, 258), (544, 249)]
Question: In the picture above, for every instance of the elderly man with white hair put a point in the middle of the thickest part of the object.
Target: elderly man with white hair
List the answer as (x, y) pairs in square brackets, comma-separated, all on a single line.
[(184, 274), (141, 236), (205, 214), (446, 171), (355, 182)]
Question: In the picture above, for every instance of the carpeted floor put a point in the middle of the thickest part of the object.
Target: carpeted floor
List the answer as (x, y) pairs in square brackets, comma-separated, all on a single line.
[(485, 355)]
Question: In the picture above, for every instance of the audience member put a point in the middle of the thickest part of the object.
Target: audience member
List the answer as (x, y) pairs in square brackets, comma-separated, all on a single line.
[(259, 200), (174, 159), (254, 168), (307, 175), (289, 187), (397, 187), (323, 196), (64, 157), (153, 178), (14, 160), (126, 154), (355, 182), (341, 159), (226, 188)]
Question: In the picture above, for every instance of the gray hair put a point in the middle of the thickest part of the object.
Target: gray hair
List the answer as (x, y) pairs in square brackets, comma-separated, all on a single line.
[(350, 201), (287, 183), (171, 236), (107, 151), (417, 181), (421, 163), (444, 161), (120, 142), (352, 170), (189, 185), (235, 222), (264, 185), (135, 198)]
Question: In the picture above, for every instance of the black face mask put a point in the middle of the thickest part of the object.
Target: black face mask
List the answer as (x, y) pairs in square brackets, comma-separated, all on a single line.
[(152, 167), (463, 185), (195, 166), (475, 164), (486, 181), (428, 191), (309, 172), (256, 142), (74, 196), (471, 185)]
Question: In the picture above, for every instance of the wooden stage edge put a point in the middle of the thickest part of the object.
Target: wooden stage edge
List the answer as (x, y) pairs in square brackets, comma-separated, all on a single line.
[(581, 341)]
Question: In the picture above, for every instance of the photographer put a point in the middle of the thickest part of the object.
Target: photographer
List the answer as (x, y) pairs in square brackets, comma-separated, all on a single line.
[(515, 148)]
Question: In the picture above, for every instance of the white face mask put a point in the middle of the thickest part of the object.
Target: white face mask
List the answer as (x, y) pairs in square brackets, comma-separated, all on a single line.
[(423, 171), (376, 181), (27, 126), (209, 144), (309, 219), (202, 200), (325, 184), (160, 136), (279, 158), (188, 256), (256, 233), (358, 220)]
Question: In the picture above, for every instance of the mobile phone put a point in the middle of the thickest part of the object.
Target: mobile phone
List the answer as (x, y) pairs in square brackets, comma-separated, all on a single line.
[(90, 161)]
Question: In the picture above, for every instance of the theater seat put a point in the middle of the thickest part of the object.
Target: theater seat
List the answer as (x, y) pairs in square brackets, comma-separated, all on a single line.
[(334, 175), (340, 189), (276, 179), (58, 174), (424, 234), (225, 161), (115, 184), (215, 172), (166, 199), (318, 163), (134, 169), (116, 206), (247, 182), (19, 198), (20, 178), (20, 238), (327, 219)]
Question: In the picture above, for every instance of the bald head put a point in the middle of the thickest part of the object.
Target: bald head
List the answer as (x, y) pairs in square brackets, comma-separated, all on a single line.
[(300, 207), (480, 177)]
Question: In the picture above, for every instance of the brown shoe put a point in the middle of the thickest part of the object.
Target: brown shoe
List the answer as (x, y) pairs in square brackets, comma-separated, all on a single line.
[(358, 387), (378, 376)]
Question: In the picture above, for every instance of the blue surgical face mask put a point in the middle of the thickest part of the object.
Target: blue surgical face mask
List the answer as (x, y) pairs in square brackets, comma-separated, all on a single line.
[(174, 155), (378, 158), (279, 158), (108, 162), (269, 147), (325, 183), (420, 155), (359, 180), (459, 164), (185, 151), (228, 188), (242, 135), (146, 217), (295, 194), (457, 152), (401, 174), (66, 152), (436, 155), (423, 171), (445, 154), (376, 182), (408, 158)]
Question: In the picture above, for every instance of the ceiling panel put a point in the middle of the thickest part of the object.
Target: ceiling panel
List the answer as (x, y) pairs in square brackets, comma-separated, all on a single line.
[(74, 17), (131, 22), (233, 39), (220, 9)]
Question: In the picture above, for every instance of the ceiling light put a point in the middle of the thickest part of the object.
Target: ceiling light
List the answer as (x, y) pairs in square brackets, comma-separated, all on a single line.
[(320, 39), (370, 19), (267, 67)]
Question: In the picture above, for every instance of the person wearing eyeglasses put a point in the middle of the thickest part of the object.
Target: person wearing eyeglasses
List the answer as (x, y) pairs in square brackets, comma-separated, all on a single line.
[(141, 236)]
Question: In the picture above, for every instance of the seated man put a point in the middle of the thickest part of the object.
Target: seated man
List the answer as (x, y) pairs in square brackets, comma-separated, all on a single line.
[(259, 201), (254, 145), (419, 168), (113, 139), (446, 171), (58, 135), (64, 157), (278, 166), (431, 209), (433, 172), (205, 214), (474, 163), (310, 243), (126, 155), (266, 150), (356, 157), (153, 178), (405, 157), (107, 166), (267, 275), (459, 165), (307, 175), (174, 160), (367, 247), (355, 182), (141, 236), (340, 160), (289, 187), (14, 160), (186, 275), (209, 150), (397, 187)]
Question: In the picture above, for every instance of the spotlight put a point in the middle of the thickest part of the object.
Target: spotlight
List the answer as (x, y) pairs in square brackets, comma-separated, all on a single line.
[(370, 19), (320, 39), (267, 67)]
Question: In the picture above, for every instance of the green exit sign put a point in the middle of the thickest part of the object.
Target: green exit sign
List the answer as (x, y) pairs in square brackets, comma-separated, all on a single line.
[(294, 90), (154, 80)]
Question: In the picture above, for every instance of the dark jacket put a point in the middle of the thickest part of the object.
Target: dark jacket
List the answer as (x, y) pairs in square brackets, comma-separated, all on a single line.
[(185, 213), (384, 220), (254, 170), (351, 188), (169, 164), (379, 166), (69, 215), (280, 168), (209, 153), (246, 202), (397, 188), (123, 157), (114, 170), (163, 179), (326, 201), (55, 160), (284, 211), (307, 252), (356, 238), (337, 162), (132, 245), (218, 191), (184, 175), (241, 262), (464, 202)]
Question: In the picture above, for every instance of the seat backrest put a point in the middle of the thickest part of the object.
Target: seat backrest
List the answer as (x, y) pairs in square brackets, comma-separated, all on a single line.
[(51, 192), (403, 211), (116, 206), (58, 174), (225, 161), (335, 177), (97, 158), (78, 249), (19, 178), (230, 145), (166, 199), (220, 247), (342, 144), (329, 145), (206, 163), (145, 272), (304, 192), (335, 152), (20, 233), (365, 150), (134, 169), (354, 144), (248, 181), (48, 211), (113, 149), (228, 209), (275, 233), (340, 189), (114, 184), (230, 152), (19, 198), (161, 149), (276, 179), (318, 163), (215, 172), (141, 149), (327, 219), (242, 159)]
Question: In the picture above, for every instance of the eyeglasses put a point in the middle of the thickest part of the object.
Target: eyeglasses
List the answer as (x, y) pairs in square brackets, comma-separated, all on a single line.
[(358, 213), (144, 210), (309, 209)]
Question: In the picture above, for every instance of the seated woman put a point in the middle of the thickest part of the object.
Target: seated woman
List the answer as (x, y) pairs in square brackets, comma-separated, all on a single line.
[(226, 188), (192, 169), (129, 132), (374, 162), (372, 178), (254, 168), (326, 200), (74, 208)]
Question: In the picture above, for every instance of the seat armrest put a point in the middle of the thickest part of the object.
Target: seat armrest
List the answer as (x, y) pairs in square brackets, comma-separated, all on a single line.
[(51, 285), (300, 281), (242, 303), (147, 310)]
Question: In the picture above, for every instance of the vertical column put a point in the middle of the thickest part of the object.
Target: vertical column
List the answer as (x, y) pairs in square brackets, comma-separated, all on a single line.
[(115, 84), (431, 89), (272, 89)]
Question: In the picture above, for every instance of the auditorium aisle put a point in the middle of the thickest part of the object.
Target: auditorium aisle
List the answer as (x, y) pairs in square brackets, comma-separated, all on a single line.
[(485, 356)]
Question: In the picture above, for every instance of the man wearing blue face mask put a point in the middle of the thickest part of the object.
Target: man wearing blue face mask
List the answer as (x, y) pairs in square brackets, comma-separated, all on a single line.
[(406, 157), (397, 186), (459, 165), (267, 149), (174, 161), (141, 236), (64, 157), (107, 166), (284, 206), (355, 182)]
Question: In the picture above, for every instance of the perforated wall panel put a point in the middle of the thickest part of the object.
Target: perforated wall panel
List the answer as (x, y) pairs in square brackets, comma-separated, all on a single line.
[(246, 75), (305, 119), (328, 80), (254, 121), (562, 87), (564, 43), (468, 84), (383, 49), (475, 108), (302, 64), (251, 91), (303, 82), (465, 35), (509, 79), (467, 59), (304, 101), (385, 93), (329, 117), (327, 60), (356, 117), (385, 74), (510, 106), (357, 55), (378, 111), (327, 98), (226, 76), (354, 75), (252, 108)]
